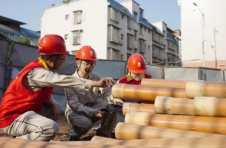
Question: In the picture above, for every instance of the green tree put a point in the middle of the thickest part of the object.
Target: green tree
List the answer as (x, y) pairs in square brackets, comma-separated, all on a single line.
[(25, 40), (67, 1)]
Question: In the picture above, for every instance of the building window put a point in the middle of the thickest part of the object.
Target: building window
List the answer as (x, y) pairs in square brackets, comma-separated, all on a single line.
[(114, 35), (149, 48), (129, 41), (65, 36), (67, 17), (113, 54), (114, 15), (135, 35), (122, 16), (129, 23), (77, 36), (136, 17), (141, 30), (164, 32), (142, 46), (135, 50), (78, 17)]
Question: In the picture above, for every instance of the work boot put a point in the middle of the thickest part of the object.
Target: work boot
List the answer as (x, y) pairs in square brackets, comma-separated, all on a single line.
[(74, 138)]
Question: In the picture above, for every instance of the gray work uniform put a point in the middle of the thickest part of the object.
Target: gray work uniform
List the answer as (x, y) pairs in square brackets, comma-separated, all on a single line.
[(31, 125), (82, 107)]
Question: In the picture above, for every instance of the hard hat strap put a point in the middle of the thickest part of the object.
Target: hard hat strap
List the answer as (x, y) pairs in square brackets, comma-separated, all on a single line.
[(80, 63)]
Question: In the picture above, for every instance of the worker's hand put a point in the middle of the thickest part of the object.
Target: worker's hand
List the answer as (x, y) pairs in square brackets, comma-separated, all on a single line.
[(100, 113), (104, 82), (118, 101), (55, 110)]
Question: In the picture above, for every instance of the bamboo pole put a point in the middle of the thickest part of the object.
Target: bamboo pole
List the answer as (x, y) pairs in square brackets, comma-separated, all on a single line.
[(170, 105), (7, 142), (128, 107), (164, 83), (145, 92), (215, 125), (210, 106), (198, 142), (193, 88), (208, 89), (126, 131), (200, 106)]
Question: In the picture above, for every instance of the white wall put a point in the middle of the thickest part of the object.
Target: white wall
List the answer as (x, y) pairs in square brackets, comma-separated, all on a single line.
[(94, 24), (191, 28)]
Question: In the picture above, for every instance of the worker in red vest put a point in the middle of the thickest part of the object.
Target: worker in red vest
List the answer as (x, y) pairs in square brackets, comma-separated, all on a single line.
[(83, 108), (29, 93), (137, 68)]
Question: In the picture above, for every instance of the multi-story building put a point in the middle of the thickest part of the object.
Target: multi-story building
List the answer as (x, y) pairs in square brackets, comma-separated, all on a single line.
[(11, 29), (177, 35), (203, 33), (115, 30), (168, 50)]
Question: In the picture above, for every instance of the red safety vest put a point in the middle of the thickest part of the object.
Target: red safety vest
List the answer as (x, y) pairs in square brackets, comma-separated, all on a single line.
[(124, 80), (18, 99)]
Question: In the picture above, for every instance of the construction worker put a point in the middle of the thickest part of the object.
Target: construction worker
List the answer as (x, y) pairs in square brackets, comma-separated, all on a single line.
[(137, 68), (29, 93), (83, 110)]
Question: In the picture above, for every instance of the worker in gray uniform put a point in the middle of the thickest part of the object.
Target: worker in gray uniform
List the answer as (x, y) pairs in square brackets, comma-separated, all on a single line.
[(83, 110)]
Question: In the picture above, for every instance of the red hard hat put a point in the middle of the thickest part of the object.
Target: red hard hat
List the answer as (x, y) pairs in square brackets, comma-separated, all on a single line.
[(52, 44), (86, 53), (136, 63)]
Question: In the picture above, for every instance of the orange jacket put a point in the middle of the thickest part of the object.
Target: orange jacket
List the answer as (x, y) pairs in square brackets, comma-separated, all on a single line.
[(18, 100), (127, 79)]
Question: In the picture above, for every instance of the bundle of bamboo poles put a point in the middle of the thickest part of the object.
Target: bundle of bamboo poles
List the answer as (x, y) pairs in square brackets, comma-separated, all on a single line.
[(184, 114)]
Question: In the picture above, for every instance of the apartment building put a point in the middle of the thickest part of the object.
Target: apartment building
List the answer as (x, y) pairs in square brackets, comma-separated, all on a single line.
[(115, 30), (203, 33), (167, 46), (12, 29), (177, 36)]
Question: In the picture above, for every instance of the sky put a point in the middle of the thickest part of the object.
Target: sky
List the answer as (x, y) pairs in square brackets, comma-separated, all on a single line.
[(31, 11)]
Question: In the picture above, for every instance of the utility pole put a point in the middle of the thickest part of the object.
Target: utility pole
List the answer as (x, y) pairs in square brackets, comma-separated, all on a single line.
[(203, 24)]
